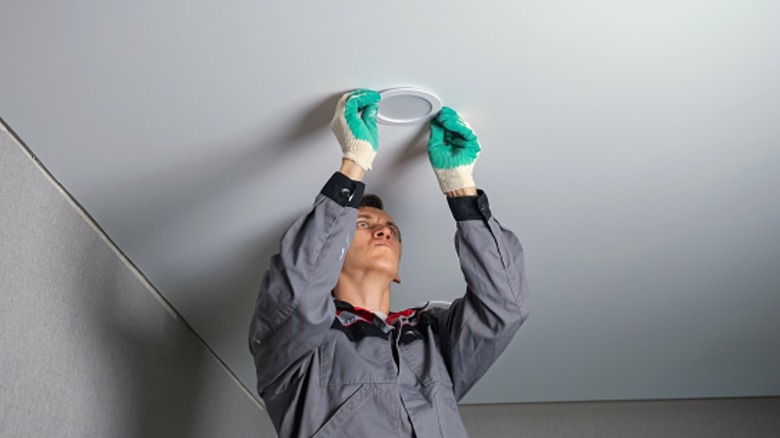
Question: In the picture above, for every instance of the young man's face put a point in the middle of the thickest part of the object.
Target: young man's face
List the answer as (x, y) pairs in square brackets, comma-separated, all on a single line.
[(377, 243)]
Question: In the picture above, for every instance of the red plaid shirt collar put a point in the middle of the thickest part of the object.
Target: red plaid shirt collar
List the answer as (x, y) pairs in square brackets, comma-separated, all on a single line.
[(371, 317)]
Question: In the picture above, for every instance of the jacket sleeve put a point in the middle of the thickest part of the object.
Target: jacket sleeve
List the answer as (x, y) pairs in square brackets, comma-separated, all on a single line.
[(294, 308), (477, 327)]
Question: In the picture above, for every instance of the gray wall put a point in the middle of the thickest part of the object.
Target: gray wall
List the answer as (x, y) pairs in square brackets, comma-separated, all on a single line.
[(745, 417), (85, 349)]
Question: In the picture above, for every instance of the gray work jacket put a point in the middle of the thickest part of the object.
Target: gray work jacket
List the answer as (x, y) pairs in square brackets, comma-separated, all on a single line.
[(326, 369)]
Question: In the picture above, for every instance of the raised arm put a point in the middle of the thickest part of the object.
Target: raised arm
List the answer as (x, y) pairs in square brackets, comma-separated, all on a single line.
[(294, 308), (476, 328)]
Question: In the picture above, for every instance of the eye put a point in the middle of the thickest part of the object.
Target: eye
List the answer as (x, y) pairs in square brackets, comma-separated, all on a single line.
[(362, 224)]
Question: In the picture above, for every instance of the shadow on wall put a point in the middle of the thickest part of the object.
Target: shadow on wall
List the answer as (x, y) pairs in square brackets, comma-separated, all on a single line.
[(164, 194)]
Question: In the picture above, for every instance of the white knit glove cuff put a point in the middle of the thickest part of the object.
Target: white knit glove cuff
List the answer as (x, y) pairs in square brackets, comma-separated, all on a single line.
[(360, 152), (455, 178)]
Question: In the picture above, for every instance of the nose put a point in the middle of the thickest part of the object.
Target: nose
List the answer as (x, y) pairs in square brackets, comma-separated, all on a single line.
[(382, 232)]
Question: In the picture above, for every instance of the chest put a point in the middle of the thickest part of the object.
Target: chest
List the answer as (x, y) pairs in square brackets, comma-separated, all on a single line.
[(364, 353)]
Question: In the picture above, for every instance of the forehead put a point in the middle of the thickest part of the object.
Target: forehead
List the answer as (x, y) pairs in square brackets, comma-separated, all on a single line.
[(375, 213)]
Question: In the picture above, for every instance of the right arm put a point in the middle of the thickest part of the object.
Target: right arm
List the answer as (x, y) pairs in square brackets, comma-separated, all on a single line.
[(294, 308)]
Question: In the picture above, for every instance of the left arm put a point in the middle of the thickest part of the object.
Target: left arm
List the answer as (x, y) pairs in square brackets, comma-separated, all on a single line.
[(477, 327)]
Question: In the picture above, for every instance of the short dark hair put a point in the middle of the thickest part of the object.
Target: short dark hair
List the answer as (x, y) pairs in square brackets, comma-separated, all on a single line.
[(371, 200)]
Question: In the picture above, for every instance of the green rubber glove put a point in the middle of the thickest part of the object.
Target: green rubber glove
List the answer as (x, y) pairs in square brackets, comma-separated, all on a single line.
[(453, 149), (354, 124)]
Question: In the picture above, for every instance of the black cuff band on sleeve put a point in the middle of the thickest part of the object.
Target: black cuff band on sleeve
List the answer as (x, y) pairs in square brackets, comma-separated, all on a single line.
[(466, 208), (343, 190)]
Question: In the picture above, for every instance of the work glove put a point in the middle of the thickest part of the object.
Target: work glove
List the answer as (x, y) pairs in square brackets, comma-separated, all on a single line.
[(354, 124), (453, 149)]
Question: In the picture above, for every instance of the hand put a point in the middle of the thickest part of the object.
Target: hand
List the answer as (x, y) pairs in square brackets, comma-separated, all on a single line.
[(354, 124), (453, 149)]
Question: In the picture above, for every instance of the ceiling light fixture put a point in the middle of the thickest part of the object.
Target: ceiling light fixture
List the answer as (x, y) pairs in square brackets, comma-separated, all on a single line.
[(407, 106)]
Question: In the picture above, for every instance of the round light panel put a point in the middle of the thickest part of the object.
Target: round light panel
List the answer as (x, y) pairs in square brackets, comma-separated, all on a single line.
[(407, 106)]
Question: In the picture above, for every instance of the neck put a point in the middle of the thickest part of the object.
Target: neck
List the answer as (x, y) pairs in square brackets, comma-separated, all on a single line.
[(370, 291)]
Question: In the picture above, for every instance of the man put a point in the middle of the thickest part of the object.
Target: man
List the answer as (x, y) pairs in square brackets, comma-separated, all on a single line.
[(331, 358)]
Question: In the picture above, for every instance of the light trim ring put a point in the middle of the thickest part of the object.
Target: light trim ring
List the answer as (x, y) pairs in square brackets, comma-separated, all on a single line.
[(432, 99)]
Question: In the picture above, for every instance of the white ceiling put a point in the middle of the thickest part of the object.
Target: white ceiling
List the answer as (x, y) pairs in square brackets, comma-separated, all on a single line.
[(633, 146)]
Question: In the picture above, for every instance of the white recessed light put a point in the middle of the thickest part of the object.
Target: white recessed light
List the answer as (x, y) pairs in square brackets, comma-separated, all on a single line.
[(407, 105)]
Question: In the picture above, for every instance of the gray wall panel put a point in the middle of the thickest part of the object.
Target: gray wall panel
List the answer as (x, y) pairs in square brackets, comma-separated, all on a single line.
[(87, 351)]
